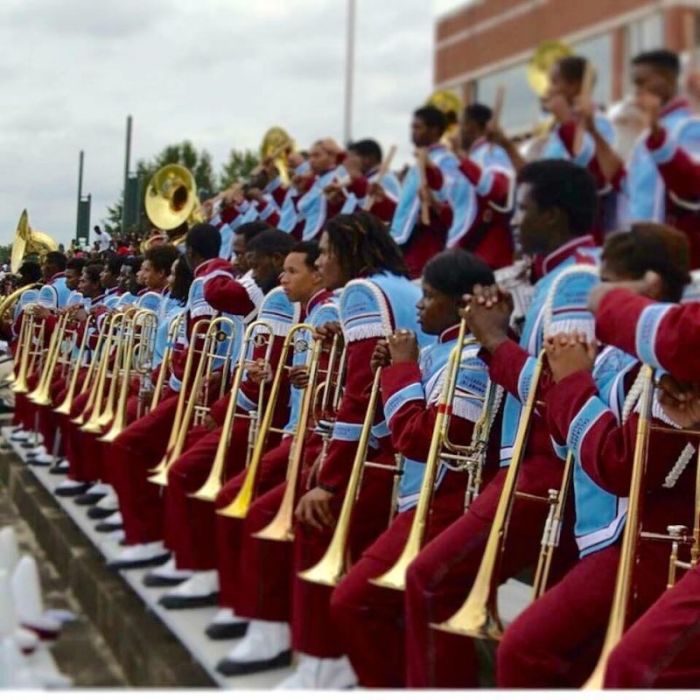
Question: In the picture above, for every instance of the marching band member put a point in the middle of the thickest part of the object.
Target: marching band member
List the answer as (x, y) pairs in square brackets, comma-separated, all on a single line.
[(190, 523), (372, 617), (377, 299), (241, 585), (551, 644), (555, 206), (362, 163), (109, 279), (661, 648)]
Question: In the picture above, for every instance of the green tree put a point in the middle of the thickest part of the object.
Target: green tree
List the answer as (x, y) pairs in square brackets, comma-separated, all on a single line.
[(239, 166)]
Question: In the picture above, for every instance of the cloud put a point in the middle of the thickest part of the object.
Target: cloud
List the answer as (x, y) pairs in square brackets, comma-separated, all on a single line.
[(218, 72)]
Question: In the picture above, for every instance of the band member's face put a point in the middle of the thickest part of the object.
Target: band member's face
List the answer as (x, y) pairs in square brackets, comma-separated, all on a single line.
[(171, 276), (530, 225), (299, 281), (649, 80), (72, 279), (240, 264), (126, 277), (151, 277), (328, 265), (470, 131), (107, 279), (436, 311), (421, 134), (264, 268), (320, 159), (87, 287), (559, 86)]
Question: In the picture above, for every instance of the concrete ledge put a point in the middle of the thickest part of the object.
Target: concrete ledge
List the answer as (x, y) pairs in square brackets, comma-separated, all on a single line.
[(147, 651)]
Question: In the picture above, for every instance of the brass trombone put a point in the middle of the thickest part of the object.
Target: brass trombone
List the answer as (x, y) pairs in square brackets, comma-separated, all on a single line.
[(41, 395), (174, 330), (256, 334), (470, 457), (32, 350), (212, 332), (136, 355), (238, 508), (478, 616), (281, 527), (332, 566)]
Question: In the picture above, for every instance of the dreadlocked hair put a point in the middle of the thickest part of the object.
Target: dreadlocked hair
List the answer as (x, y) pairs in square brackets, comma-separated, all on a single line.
[(363, 246)]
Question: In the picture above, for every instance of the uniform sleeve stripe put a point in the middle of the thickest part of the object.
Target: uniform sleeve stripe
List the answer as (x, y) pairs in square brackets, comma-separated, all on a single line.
[(647, 329)]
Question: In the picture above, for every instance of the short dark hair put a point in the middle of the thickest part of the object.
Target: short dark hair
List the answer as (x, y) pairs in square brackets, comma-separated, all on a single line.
[(205, 240), (432, 117), (572, 68), (76, 264), (367, 148), (270, 242), (132, 261), (162, 257), (310, 249), (114, 263), (182, 280), (455, 272), (30, 270), (363, 245), (251, 229), (563, 185), (92, 272), (479, 113), (650, 246), (57, 259), (661, 59)]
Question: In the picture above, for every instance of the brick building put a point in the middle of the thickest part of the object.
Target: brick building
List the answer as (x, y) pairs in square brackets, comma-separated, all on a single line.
[(486, 43)]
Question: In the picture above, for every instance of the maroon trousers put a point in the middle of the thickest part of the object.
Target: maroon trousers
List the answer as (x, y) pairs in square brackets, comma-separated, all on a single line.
[(662, 648), (130, 459), (313, 630), (439, 579), (371, 617), (556, 641)]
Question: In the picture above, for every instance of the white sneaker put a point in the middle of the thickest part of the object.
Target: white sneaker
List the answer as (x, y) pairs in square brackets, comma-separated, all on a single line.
[(108, 502), (199, 591), (226, 616), (63, 464), (266, 645), (313, 672), (136, 556), (115, 535), (100, 488), (20, 435), (170, 570), (114, 519), (42, 460)]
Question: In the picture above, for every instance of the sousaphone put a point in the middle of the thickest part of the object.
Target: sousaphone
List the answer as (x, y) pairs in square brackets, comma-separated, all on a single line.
[(546, 55), (171, 198), (29, 242)]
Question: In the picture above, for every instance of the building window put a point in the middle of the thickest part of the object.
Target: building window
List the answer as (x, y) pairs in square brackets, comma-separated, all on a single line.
[(598, 50), (644, 35)]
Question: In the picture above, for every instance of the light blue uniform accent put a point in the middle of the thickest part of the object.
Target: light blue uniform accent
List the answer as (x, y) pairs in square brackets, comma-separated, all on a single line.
[(226, 249), (647, 330), (55, 294), (313, 207), (555, 148), (288, 213), (389, 182)]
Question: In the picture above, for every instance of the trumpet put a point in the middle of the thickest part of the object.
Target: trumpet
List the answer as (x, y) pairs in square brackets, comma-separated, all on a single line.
[(280, 528), (254, 334), (239, 507), (212, 331)]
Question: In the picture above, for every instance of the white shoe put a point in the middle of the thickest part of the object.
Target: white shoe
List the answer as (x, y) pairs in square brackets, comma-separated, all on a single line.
[(170, 570), (226, 616), (262, 641), (26, 593), (109, 502), (313, 672), (20, 435), (9, 551), (114, 519), (136, 556), (15, 671), (100, 488), (63, 464), (115, 535), (200, 583), (42, 460)]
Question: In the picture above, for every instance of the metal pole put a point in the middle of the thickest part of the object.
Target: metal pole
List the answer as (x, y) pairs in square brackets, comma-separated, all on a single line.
[(349, 72), (127, 167), (81, 162)]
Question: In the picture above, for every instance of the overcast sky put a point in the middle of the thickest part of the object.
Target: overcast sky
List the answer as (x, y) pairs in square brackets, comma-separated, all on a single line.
[(217, 72)]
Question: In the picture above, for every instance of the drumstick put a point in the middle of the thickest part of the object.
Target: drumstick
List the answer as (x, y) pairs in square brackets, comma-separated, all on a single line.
[(383, 170), (497, 109), (424, 208), (585, 96)]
